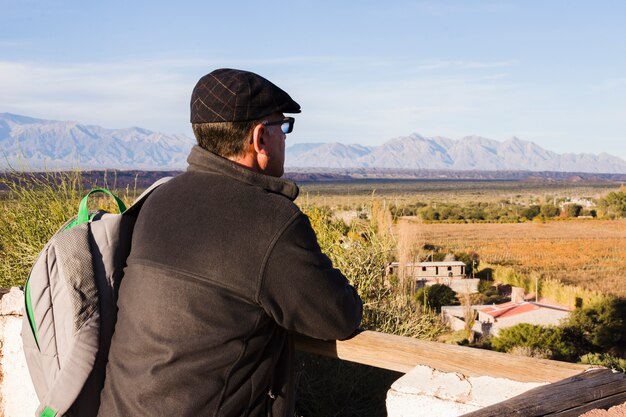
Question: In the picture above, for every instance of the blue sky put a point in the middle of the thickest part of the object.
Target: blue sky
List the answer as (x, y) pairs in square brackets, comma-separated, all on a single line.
[(551, 72)]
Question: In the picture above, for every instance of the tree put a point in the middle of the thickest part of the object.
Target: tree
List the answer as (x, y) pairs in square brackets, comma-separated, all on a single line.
[(549, 210), (614, 204), (601, 328), (588, 212), (474, 212), (572, 210), (438, 257), (471, 260), (530, 212), (436, 296), (428, 213)]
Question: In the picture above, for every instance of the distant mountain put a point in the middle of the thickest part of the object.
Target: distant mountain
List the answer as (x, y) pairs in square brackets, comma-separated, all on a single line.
[(35, 144), (469, 153), (333, 155)]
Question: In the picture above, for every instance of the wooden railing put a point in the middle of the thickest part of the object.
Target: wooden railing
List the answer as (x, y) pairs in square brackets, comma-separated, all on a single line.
[(594, 389), (573, 388), (402, 354)]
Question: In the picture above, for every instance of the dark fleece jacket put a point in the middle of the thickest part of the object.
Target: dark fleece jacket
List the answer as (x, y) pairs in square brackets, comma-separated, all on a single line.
[(223, 267)]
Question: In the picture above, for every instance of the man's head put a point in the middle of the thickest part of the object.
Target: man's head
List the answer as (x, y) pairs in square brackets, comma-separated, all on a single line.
[(236, 114)]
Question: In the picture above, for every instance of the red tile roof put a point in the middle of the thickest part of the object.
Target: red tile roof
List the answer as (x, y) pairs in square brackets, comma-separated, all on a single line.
[(512, 309)]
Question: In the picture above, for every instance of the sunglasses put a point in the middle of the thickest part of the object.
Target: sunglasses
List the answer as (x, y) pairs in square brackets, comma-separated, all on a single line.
[(286, 125)]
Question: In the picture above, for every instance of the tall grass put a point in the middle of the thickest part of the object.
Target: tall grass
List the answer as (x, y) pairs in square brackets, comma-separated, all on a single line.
[(361, 250), (32, 209), (410, 251), (569, 295)]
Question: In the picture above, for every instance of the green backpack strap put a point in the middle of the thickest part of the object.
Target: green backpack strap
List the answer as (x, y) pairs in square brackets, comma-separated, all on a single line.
[(83, 210)]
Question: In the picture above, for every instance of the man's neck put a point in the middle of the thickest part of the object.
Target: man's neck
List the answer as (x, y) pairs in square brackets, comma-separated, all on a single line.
[(247, 161)]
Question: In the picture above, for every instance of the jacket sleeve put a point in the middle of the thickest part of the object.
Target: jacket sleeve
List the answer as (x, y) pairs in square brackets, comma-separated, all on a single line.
[(302, 291)]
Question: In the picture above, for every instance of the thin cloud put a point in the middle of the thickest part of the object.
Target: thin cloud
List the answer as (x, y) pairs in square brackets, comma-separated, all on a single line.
[(111, 95), (152, 94), (346, 107), (433, 65)]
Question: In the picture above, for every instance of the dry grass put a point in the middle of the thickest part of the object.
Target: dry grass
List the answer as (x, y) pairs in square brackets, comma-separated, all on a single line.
[(587, 253), (32, 209)]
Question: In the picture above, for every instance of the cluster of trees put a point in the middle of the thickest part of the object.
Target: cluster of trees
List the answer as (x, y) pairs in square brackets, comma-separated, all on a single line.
[(594, 334), (613, 205), (489, 212)]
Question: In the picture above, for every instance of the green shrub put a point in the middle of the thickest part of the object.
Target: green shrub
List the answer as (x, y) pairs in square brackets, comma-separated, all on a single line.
[(603, 359), (488, 293), (572, 210), (531, 212), (429, 214), (534, 340), (435, 296), (549, 210), (614, 204)]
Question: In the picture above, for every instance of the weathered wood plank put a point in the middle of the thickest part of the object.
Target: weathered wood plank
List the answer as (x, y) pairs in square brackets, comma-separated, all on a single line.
[(402, 354), (595, 388), (601, 404)]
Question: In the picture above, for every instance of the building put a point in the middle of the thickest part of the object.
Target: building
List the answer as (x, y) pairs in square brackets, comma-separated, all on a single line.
[(450, 273), (490, 319), (440, 270), (494, 318)]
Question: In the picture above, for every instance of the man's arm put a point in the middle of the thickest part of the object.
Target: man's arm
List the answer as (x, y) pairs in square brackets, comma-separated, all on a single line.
[(302, 291)]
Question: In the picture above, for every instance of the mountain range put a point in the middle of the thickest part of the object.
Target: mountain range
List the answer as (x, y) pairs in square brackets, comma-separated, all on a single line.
[(33, 144), (469, 153), (29, 144)]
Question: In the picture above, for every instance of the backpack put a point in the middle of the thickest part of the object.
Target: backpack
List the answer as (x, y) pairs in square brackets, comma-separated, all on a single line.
[(70, 305)]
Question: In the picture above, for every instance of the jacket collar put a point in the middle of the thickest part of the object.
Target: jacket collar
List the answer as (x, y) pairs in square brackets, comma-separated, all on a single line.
[(204, 161)]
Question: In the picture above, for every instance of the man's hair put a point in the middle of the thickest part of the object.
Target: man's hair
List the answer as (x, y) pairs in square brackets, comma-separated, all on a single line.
[(227, 139)]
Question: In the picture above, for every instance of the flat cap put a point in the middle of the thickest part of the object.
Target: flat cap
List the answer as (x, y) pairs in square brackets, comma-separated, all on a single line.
[(231, 95)]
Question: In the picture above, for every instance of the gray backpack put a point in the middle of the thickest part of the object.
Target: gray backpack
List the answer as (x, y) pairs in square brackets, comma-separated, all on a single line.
[(70, 298)]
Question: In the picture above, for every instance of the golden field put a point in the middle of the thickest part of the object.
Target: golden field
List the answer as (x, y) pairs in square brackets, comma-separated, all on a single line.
[(590, 254)]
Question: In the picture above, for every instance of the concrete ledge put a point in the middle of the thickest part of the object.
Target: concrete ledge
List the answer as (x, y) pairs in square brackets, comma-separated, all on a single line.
[(11, 302), (426, 391), (17, 395)]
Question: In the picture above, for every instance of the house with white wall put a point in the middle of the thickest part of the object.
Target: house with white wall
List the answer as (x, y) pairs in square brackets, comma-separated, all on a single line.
[(450, 273), (492, 319)]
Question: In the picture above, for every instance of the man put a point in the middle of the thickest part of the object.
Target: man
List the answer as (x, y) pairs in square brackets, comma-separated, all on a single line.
[(224, 267)]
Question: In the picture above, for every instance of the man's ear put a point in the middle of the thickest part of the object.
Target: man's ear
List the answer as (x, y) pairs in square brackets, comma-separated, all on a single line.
[(259, 139)]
